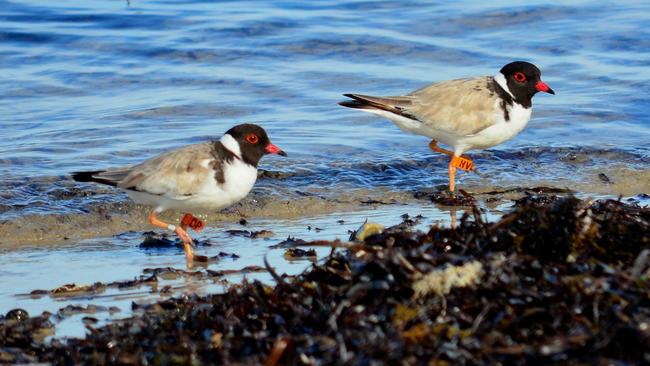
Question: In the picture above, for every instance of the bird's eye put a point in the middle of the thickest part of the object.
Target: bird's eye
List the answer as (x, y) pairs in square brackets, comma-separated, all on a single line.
[(520, 77), (252, 138)]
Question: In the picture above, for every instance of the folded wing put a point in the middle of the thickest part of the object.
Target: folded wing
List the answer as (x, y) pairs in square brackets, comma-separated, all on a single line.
[(177, 174), (459, 107)]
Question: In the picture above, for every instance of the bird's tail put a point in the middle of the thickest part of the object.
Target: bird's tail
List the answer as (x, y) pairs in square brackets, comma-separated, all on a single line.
[(94, 176), (395, 105)]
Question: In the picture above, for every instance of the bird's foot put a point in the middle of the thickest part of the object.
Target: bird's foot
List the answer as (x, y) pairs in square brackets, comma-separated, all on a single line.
[(187, 243), (183, 235), (181, 232), (480, 175)]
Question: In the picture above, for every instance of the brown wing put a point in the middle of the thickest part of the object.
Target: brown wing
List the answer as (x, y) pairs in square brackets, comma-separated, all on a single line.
[(175, 174), (462, 107), (457, 107)]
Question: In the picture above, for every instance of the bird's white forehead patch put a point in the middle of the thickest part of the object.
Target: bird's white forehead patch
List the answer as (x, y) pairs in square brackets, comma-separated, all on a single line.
[(231, 144), (501, 80)]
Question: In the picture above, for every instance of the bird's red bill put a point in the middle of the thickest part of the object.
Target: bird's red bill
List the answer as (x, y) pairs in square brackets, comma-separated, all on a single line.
[(192, 222), (274, 149), (462, 163), (542, 86)]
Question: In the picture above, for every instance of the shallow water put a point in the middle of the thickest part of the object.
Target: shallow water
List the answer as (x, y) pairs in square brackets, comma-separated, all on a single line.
[(89, 85), (121, 258)]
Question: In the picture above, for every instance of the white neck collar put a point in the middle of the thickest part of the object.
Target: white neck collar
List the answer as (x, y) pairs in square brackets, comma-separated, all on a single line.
[(501, 80), (231, 144)]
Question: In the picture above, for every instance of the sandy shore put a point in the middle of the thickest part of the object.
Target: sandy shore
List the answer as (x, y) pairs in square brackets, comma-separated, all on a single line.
[(103, 219)]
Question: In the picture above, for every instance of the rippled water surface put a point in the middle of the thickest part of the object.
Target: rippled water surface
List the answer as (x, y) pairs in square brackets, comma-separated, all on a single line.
[(90, 84), (93, 84)]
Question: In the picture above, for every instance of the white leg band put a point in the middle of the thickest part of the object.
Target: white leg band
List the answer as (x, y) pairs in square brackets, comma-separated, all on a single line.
[(171, 227)]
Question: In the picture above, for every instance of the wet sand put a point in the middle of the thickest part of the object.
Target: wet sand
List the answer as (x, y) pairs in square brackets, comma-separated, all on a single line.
[(111, 219), (87, 211)]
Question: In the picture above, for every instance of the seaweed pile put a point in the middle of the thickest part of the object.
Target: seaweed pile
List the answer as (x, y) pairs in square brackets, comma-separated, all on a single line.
[(557, 280)]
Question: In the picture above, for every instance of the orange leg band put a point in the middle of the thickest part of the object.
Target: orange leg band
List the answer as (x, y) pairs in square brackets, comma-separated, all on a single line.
[(194, 223), (462, 163)]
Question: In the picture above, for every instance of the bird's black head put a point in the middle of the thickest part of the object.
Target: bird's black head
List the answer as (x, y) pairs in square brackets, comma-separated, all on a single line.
[(524, 80), (253, 142)]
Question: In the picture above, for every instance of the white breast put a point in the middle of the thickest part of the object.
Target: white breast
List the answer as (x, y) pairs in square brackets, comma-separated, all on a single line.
[(239, 180), (502, 130)]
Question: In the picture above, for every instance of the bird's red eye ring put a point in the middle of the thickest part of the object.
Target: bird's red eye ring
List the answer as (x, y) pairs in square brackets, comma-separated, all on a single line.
[(252, 138), (520, 77)]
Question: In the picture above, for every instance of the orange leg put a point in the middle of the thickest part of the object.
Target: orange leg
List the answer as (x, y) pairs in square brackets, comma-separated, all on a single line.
[(433, 145), (459, 162), (452, 176), (462, 162), (182, 225), (180, 231), (452, 214)]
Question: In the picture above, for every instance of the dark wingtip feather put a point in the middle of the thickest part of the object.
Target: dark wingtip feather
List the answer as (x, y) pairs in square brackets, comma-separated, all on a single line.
[(90, 177), (84, 176), (375, 103), (357, 97), (353, 104), (357, 103)]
